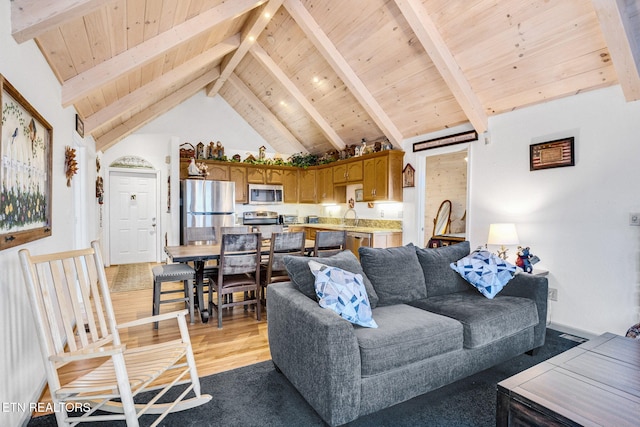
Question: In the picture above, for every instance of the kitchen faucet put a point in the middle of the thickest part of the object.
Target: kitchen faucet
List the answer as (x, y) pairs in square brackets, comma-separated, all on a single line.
[(355, 219)]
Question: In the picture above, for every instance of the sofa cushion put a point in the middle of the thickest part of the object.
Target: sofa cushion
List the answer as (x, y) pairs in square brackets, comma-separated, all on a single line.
[(298, 270), (343, 292), (405, 335), (484, 320), (395, 273), (439, 278), (487, 272)]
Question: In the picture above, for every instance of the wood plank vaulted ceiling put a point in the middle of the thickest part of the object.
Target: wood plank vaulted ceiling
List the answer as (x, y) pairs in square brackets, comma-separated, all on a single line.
[(316, 75)]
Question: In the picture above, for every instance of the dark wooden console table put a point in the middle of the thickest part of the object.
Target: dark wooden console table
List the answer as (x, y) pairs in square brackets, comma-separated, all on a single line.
[(594, 384)]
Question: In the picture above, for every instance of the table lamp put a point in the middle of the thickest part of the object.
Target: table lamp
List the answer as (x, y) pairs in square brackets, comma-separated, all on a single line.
[(502, 234)]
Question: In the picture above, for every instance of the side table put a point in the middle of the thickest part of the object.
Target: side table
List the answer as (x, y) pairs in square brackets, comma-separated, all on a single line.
[(594, 384)]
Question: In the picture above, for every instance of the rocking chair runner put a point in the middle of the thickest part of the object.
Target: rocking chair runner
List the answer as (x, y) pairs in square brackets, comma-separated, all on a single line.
[(75, 323)]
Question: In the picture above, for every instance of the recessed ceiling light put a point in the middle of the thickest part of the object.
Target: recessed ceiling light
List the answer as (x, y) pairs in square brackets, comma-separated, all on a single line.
[(251, 38), (316, 79), (267, 15)]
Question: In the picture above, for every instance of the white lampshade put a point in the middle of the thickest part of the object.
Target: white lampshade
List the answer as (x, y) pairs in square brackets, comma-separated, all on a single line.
[(503, 234)]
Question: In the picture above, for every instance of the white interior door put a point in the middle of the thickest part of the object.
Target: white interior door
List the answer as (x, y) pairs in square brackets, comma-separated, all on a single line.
[(133, 217)]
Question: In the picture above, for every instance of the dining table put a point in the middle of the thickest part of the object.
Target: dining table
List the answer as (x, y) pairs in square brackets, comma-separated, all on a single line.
[(199, 255)]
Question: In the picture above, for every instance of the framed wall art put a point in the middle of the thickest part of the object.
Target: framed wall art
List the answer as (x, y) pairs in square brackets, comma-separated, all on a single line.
[(458, 138), (25, 170), (552, 154), (408, 176), (79, 126)]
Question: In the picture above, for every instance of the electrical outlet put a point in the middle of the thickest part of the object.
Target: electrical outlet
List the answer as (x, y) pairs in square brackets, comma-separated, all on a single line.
[(553, 294), (381, 213), (634, 218)]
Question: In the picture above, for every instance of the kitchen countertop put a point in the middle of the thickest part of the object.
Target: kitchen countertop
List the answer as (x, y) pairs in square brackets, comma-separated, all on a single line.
[(339, 227)]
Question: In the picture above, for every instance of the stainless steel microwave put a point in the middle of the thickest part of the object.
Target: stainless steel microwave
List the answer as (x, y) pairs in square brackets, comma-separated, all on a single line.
[(265, 194)]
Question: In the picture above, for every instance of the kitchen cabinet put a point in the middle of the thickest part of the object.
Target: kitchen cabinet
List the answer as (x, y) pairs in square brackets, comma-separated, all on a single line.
[(391, 239), (324, 181), (290, 183), (218, 172), (307, 186), (347, 172), (382, 176), (238, 174), (255, 175), (274, 176)]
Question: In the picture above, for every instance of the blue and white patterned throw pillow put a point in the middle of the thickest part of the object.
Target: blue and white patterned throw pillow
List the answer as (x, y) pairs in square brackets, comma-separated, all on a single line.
[(342, 292), (486, 271)]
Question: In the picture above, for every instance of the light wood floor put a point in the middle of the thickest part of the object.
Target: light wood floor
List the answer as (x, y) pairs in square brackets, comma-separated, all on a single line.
[(242, 341)]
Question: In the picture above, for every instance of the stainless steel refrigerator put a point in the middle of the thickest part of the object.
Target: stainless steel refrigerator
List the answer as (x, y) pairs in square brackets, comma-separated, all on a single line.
[(206, 204)]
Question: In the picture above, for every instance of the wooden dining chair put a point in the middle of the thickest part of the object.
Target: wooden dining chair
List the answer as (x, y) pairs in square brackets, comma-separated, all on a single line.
[(200, 236), (329, 243), (238, 271), (282, 244), (267, 230), (76, 326)]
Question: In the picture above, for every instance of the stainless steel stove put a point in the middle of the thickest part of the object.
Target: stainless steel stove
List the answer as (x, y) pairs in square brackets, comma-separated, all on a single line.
[(260, 218)]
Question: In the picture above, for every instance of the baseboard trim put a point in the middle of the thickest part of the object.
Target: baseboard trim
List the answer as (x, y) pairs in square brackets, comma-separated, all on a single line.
[(35, 398), (573, 331)]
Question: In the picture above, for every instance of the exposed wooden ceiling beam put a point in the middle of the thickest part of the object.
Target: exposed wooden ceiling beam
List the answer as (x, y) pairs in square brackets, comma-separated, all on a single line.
[(434, 45), (331, 54), (30, 18), (254, 27), (148, 114), (623, 46), (270, 65), (108, 71), (135, 98), (294, 146)]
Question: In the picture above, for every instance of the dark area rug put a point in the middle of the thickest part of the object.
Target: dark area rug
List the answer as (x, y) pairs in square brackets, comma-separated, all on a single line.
[(257, 395)]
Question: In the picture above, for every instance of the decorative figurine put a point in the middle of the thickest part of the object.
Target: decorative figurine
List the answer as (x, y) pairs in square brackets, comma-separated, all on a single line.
[(193, 168), (212, 154), (219, 150), (525, 259), (362, 149), (203, 169), (261, 152), (200, 151)]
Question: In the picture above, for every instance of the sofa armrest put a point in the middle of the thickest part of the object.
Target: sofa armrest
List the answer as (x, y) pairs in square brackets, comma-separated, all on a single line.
[(535, 288), (316, 350)]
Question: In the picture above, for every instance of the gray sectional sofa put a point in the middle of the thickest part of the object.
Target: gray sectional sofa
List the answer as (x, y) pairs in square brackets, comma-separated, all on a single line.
[(433, 329)]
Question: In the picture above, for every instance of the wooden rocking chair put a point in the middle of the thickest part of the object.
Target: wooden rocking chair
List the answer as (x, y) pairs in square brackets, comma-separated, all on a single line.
[(75, 323)]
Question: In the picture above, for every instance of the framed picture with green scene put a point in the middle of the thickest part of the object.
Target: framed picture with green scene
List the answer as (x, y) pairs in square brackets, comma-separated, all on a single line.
[(25, 170)]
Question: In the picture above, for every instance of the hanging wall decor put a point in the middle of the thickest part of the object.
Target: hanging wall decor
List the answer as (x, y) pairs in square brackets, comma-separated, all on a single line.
[(408, 176), (79, 126), (25, 170), (458, 138), (551, 154), (70, 164)]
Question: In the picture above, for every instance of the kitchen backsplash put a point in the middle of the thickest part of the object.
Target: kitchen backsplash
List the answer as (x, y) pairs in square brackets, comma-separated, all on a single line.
[(372, 223)]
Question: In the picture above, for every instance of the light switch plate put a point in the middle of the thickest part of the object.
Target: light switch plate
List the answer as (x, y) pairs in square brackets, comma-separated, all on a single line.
[(634, 218)]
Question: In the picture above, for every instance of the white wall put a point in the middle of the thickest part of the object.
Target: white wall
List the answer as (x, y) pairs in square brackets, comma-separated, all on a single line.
[(21, 371), (576, 219), (203, 119)]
